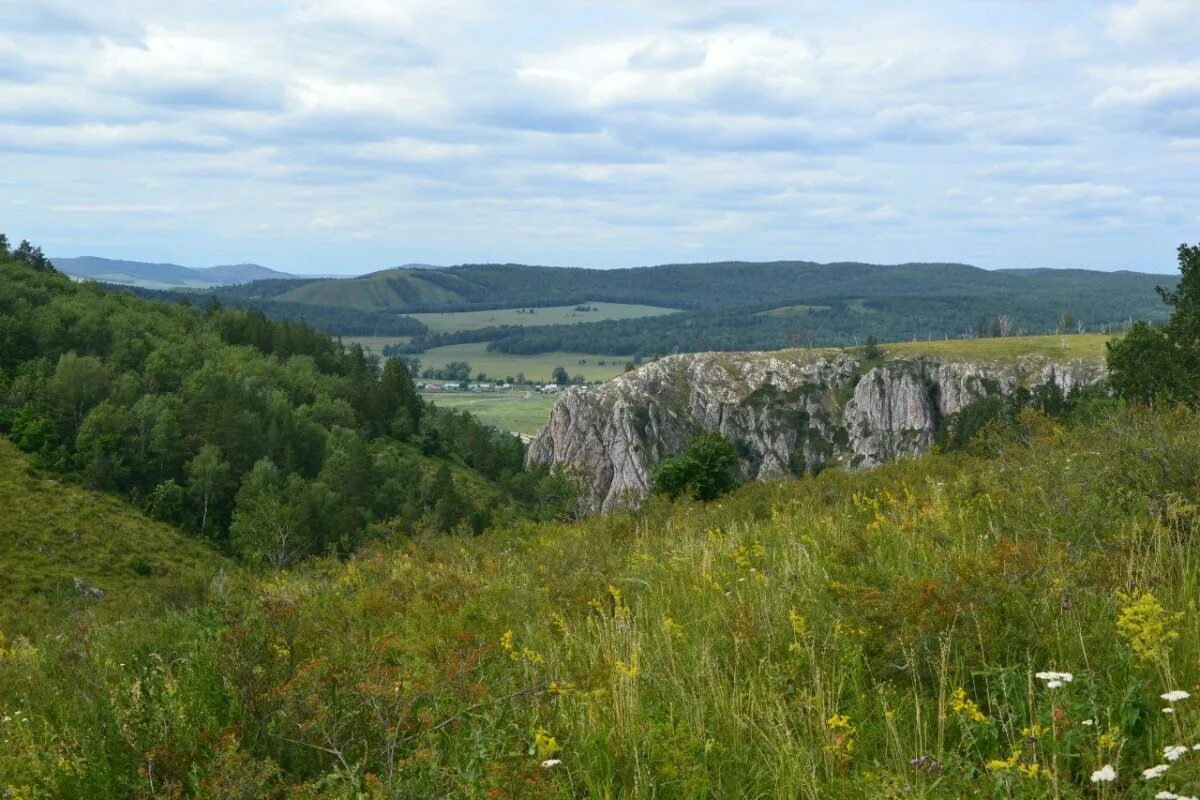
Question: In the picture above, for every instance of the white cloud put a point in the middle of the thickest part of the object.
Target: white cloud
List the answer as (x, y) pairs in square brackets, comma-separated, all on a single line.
[(1153, 20)]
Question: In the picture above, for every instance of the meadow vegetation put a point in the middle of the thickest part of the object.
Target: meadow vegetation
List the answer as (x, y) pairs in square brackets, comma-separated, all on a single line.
[(846, 636)]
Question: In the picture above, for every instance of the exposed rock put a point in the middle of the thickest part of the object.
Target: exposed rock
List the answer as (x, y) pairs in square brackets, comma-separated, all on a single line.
[(84, 590), (792, 412)]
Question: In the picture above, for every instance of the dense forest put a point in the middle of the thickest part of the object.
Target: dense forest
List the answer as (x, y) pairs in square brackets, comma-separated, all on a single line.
[(333, 320), (266, 437)]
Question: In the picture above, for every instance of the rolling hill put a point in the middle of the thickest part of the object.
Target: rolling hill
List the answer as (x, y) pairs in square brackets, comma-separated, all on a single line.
[(715, 286), (163, 276)]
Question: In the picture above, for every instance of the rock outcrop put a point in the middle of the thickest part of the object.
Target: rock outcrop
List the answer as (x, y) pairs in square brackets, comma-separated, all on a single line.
[(787, 413)]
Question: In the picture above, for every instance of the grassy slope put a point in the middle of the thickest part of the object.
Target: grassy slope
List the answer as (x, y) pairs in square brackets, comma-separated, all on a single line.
[(449, 322), (802, 639), (52, 532)]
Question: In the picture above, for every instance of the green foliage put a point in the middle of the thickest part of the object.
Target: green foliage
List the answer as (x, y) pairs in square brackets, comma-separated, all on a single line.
[(706, 469), (850, 635), (1163, 364), (266, 437)]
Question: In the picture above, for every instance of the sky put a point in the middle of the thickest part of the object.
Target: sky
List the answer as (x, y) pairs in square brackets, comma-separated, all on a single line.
[(343, 137)]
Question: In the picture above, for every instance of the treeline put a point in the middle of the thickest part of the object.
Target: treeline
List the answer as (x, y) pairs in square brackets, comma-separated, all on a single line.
[(264, 436), (334, 320), (824, 322)]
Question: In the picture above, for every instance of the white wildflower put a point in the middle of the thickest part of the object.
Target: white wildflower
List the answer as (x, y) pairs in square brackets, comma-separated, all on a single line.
[(1175, 696), (551, 762), (1165, 795), (1155, 771), (1055, 679), (1087, 723), (1174, 752), (1168, 710), (1105, 774)]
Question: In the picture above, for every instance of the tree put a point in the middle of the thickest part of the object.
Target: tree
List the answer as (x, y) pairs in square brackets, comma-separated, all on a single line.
[(208, 481), (79, 383), (1163, 364), (267, 522), (398, 399), (560, 376), (706, 469), (4, 251), (1066, 322)]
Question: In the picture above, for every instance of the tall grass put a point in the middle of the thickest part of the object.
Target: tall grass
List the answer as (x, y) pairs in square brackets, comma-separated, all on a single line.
[(853, 635)]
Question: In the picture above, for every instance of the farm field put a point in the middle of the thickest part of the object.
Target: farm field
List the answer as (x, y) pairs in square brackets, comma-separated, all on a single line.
[(450, 322), (535, 367), (519, 412)]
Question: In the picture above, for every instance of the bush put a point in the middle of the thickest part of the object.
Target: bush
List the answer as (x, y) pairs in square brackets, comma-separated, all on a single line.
[(705, 470)]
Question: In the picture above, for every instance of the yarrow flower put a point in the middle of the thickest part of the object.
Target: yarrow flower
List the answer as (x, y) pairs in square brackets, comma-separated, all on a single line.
[(1168, 710), (1105, 774), (1175, 696), (1055, 679), (1087, 723), (551, 762), (1174, 752), (1155, 771)]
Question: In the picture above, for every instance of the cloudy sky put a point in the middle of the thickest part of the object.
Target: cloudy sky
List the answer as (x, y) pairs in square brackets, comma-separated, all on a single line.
[(338, 136)]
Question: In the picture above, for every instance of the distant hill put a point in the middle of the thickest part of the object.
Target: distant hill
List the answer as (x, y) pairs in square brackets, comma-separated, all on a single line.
[(715, 286), (164, 276)]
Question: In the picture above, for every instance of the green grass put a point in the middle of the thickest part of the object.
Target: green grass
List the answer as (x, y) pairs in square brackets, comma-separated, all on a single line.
[(52, 532), (519, 412), (535, 367), (847, 637), (556, 315), (1087, 345)]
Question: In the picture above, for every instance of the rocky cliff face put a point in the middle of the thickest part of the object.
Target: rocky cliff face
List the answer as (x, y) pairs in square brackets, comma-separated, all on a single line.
[(786, 412)]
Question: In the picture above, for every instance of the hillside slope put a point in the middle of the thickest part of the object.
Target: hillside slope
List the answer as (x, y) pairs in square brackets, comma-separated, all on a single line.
[(854, 636), (708, 286), (52, 532)]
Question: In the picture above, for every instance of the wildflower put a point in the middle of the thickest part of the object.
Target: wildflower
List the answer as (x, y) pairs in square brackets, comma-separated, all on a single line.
[(1155, 771), (506, 641), (1055, 679), (1164, 795), (1105, 774), (1168, 710), (1087, 723), (1146, 626), (545, 746), (963, 706), (1175, 696), (551, 762), (1174, 752)]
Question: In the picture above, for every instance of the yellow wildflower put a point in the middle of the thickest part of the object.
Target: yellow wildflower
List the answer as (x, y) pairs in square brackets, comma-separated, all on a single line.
[(1146, 626), (964, 706)]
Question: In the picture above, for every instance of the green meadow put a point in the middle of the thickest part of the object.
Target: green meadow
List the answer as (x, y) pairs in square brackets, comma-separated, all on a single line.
[(555, 315), (519, 412), (537, 367)]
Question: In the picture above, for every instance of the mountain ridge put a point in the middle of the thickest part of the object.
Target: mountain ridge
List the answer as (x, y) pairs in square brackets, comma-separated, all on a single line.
[(148, 274)]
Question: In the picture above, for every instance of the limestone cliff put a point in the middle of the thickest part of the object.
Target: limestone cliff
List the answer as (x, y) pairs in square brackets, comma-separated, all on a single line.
[(790, 412)]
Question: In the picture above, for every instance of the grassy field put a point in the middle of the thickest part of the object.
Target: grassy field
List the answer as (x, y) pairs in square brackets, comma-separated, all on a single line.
[(520, 412), (555, 315), (1087, 345), (535, 367)]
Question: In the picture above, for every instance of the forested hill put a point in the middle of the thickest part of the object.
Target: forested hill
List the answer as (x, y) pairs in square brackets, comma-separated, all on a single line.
[(266, 438), (716, 286)]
